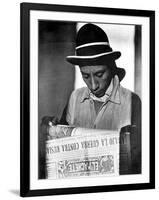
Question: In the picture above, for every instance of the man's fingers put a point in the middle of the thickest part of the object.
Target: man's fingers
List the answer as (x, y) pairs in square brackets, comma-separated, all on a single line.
[(47, 119), (54, 121), (128, 128)]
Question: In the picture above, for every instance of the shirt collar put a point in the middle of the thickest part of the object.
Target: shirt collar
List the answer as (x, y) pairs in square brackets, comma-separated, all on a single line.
[(106, 96), (112, 94)]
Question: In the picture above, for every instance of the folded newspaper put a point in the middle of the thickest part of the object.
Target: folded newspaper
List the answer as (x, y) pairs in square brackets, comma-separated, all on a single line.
[(82, 152)]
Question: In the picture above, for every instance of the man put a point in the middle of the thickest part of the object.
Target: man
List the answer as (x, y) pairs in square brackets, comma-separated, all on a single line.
[(104, 103)]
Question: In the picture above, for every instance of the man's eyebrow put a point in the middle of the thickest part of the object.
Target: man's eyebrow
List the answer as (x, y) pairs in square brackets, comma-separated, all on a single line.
[(100, 71), (85, 73)]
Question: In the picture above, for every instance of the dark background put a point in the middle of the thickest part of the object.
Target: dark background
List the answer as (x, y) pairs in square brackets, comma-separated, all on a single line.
[(56, 75)]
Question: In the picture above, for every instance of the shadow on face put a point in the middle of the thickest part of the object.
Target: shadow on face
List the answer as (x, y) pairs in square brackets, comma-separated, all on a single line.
[(97, 78)]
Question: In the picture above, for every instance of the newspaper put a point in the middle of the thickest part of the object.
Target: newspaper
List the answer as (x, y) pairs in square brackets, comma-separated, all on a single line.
[(85, 152)]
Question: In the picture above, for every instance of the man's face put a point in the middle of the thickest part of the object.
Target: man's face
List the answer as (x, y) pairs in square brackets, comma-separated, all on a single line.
[(97, 78)]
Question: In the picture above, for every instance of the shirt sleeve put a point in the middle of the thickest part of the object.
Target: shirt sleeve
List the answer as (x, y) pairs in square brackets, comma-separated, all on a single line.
[(70, 109)]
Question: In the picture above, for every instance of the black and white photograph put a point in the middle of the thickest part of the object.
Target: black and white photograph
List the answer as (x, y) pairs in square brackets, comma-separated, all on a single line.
[(99, 101), (86, 77)]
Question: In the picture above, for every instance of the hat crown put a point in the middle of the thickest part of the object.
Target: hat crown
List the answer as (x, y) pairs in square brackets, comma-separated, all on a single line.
[(91, 40), (90, 33)]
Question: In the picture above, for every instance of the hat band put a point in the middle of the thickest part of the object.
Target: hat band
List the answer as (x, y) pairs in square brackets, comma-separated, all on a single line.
[(92, 44), (93, 50)]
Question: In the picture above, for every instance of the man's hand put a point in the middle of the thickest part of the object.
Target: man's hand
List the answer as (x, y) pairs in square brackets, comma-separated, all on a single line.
[(49, 127), (49, 123), (48, 120), (130, 144), (128, 128), (55, 132)]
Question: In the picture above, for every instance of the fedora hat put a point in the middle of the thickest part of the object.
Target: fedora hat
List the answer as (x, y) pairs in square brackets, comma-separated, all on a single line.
[(93, 48)]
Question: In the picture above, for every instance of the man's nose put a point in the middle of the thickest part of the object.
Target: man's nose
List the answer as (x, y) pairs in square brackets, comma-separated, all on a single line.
[(94, 84)]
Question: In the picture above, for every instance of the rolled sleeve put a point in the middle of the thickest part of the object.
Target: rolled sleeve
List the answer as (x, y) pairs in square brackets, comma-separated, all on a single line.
[(70, 109)]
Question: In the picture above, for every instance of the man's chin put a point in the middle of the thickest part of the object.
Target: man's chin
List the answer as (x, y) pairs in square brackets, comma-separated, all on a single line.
[(99, 95)]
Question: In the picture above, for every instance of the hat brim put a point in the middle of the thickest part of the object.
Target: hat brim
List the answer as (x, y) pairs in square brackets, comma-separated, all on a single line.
[(95, 59), (98, 59)]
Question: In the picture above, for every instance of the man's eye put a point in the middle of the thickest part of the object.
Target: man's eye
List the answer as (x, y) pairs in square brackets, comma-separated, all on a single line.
[(99, 74), (85, 76)]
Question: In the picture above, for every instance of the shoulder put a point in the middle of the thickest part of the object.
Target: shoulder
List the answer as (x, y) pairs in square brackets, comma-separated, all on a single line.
[(128, 93), (79, 93)]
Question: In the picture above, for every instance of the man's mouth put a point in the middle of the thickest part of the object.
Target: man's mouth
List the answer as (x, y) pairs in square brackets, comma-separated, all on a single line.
[(99, 94)]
